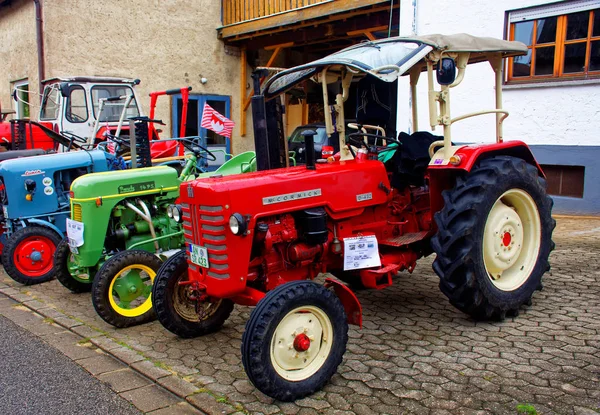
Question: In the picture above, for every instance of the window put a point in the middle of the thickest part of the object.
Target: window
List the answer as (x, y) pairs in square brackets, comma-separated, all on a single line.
[(50, 103), (563, 40), (76, 111), (111, 112), (22, 97), (565, 180)]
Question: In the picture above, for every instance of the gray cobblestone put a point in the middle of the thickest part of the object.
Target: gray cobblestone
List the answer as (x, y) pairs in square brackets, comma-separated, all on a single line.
[(415, 354)]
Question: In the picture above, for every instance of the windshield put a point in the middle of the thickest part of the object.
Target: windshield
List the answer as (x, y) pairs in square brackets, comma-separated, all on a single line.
[(364, 57), (320, 137), (49, 110), (111, 112)]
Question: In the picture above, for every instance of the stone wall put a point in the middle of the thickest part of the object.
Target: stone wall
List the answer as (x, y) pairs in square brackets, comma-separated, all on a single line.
[(165, 43)]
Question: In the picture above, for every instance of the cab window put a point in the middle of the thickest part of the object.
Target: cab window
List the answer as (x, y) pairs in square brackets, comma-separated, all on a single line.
[(76, 111), (50, 103)]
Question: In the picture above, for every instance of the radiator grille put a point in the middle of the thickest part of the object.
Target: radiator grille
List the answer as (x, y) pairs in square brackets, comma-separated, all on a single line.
[(205, 225), (77, 212)]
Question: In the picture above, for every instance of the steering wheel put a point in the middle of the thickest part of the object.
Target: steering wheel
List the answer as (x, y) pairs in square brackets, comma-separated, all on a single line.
[(74, 138), (76, 117), (357, 139), (198, 150)]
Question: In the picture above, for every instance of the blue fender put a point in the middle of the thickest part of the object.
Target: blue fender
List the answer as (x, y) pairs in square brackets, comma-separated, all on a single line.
[(46, 224)]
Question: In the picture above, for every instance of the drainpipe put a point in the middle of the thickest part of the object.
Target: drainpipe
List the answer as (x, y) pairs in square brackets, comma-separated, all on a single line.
[(39, 30)]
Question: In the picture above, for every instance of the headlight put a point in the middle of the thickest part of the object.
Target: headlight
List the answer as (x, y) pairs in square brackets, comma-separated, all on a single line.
[(237, 224), (176, 211)]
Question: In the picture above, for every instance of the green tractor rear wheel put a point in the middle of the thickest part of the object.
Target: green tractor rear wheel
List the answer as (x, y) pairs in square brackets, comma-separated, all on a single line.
[(122, 288), (65, 270)]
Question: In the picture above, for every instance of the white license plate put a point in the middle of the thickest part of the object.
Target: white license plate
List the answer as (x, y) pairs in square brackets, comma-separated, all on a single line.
[(199, 255)]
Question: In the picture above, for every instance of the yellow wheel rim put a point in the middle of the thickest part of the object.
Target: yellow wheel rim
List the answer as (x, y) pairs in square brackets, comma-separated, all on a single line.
[(301, 343), (129, 293), (512, 239)]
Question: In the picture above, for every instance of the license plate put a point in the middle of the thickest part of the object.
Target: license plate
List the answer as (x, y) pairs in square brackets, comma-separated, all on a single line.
[(199, 255)]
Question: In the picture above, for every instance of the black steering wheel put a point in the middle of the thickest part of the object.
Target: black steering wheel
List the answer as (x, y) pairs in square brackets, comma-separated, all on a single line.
[(357, 139), (198, 150)]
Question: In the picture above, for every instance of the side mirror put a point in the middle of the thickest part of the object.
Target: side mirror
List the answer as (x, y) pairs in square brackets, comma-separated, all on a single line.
[(65, 89), (446, 71)]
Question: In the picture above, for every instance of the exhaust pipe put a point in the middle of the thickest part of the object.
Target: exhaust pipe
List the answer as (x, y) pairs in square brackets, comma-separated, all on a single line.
[(309, 147)]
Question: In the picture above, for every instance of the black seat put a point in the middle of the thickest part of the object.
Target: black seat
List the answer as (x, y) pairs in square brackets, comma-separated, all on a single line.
[(411, 160)]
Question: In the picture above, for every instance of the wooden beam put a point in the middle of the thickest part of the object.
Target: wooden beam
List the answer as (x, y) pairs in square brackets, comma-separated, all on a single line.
[(368, 32), (319, 10), (244, 76)]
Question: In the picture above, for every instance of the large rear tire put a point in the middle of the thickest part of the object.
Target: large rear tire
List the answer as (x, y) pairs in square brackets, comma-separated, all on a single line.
[(122, 288), (63, 260), (28, 254), (294, 340), (176, 311), (494, 238)]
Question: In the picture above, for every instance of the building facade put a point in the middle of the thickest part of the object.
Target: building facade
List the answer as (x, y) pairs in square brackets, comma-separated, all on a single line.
[(213, 46), (552, 94)]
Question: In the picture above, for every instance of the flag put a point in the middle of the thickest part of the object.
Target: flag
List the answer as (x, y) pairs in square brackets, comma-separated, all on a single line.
[(216, 122)]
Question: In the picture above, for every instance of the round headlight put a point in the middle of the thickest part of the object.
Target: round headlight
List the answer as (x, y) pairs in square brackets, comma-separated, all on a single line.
[(170, 211), (234, 223), (176, 211)]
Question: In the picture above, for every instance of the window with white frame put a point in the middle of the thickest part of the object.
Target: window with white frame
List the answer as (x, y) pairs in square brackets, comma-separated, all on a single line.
[(563, 40)]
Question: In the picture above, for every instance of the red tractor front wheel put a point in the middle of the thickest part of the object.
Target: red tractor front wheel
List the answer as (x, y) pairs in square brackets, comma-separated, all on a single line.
[(294, 340), (28, 255)]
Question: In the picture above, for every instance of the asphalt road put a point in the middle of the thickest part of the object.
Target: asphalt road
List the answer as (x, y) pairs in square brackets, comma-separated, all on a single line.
[(37, 379)]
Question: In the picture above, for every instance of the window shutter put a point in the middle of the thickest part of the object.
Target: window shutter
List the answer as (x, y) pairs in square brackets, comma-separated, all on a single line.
[(553, 9)]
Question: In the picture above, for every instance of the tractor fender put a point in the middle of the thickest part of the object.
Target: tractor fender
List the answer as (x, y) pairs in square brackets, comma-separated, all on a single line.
[(471, 154), (442, 174), (349, 301), (46, 224)]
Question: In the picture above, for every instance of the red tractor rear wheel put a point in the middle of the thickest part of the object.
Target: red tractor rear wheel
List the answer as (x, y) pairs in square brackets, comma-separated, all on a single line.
[(494, 238), (28, 255), (294, 340)]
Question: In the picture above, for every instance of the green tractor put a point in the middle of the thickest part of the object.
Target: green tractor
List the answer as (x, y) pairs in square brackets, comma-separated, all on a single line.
[(122, 227)]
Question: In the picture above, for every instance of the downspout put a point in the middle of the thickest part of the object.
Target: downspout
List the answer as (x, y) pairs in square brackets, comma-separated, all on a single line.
[(39, 30)]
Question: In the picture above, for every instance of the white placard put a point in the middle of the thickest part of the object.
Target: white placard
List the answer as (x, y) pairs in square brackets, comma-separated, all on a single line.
[(74, 233), (361, 252)]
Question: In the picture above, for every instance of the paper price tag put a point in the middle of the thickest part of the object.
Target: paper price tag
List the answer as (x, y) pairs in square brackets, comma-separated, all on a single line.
[(361, 252), (75, 233)]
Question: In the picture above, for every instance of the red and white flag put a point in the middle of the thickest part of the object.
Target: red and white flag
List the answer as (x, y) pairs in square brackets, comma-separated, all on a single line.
[(216, 122)]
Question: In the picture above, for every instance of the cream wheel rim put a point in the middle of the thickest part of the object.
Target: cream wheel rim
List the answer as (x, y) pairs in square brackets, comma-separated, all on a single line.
[(511, 239), (301, 343)]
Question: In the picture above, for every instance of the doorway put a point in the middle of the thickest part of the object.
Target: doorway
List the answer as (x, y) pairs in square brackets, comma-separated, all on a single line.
[(219, 145), (22, 98)]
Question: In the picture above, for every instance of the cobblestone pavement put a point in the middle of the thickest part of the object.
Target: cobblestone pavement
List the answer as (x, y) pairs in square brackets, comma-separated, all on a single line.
[(415, 354)]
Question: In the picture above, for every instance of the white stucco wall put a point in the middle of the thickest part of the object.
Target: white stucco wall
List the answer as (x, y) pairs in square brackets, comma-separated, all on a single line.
[(565, 115)]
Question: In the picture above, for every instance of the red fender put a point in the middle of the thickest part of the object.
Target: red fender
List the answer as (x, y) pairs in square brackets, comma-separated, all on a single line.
[(349, 301)]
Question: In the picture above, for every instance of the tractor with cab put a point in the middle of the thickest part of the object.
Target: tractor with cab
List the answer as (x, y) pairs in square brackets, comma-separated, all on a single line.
[(385, 201)]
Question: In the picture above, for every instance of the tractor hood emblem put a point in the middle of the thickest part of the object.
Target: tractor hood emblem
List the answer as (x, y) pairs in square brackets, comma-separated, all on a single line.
[(291, 196), (190, 190)]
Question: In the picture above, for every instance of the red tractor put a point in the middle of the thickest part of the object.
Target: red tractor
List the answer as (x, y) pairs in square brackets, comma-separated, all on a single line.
[(260, 239)]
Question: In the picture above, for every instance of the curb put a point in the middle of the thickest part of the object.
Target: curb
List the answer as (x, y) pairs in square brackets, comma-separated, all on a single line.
[(198, 397)]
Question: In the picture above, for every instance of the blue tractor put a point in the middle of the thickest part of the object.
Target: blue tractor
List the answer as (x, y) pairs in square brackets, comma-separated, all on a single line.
[(34, 193)]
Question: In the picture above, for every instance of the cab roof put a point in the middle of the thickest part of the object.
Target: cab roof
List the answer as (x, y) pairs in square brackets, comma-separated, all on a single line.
[(93, 79), (376, 57)]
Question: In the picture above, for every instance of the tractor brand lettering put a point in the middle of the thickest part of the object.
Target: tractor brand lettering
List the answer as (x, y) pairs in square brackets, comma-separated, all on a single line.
[(190, 190), (137, 187), (438, 161), (364, 196), (291, 196), (32, 173)]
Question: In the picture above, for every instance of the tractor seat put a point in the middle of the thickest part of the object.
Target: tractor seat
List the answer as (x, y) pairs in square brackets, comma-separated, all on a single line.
[(162, 148), (410, 161)]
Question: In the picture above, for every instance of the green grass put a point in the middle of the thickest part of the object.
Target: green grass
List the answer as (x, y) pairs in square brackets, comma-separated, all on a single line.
[(526, 409)]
